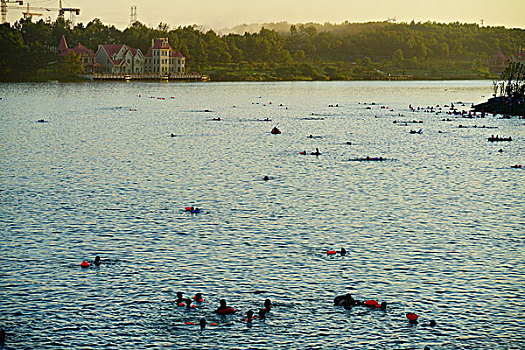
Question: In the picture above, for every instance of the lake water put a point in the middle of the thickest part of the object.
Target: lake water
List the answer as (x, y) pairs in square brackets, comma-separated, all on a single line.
[(436, 229)]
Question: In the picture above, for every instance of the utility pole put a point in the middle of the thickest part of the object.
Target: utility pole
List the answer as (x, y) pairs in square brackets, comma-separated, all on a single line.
[(4, 8)]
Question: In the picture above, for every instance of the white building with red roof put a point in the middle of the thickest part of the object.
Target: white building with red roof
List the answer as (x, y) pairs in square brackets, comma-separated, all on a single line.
[(87, 56), (163, 59), (118, 58)]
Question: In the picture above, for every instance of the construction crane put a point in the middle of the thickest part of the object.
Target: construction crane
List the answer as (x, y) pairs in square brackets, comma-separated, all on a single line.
[(4, 7), (29, 15), (61, 10)]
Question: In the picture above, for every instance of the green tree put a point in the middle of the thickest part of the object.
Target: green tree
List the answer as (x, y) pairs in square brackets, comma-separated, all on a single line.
[(72, 65)]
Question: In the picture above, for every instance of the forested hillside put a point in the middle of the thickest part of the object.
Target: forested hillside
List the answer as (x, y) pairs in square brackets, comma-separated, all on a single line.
[(375, 50)]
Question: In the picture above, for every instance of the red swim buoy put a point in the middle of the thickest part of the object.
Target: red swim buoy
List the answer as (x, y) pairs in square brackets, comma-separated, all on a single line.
[(302, 152), (84, 264), (226, 311), (194, 306), (187, 208), (372, 303), (331, 252), (412, 317), (189, 322), (181, 304), (213, 324)]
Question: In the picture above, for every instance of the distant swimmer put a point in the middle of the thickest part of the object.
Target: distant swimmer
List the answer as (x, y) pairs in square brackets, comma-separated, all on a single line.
[(217, 119), (268, 305), (198, 298), (192, 209), (202, 323), (97, 261), (262, 314), (180, 298), (224, 309), (275, 131), (316, 153), (266, 178), (249, 316), (341, 299)]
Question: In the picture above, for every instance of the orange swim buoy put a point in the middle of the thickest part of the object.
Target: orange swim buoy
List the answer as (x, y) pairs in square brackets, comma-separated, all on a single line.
[(84, 264), (331, 252)]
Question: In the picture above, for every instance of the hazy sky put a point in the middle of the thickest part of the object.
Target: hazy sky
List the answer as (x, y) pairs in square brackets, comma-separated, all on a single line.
[(218, 14)]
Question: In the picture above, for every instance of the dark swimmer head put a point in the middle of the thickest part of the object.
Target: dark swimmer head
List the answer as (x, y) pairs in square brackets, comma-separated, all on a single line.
[(203, 323), (432, 323), (268, 305), (222, 304), (198, 298), (266, 178), (188, 303), (342, 251), (179, 297), (249, 314), (2, 337), (383, 305), (97, 260), (262, 314)]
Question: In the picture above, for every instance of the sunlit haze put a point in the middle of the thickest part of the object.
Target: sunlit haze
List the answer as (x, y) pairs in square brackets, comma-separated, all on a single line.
[(228, 13)]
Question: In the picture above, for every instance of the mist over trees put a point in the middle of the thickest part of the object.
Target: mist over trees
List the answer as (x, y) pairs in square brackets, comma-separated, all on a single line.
[(375, 50)]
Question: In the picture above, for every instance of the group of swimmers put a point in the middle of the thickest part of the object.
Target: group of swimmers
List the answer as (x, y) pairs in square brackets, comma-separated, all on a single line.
[(348, 302), (223, 308)]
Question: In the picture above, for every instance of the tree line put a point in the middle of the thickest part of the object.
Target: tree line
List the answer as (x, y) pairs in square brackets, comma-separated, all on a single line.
[(375, 50)]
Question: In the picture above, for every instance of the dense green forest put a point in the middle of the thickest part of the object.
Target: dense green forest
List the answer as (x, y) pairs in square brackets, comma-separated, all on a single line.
[(346, 51)]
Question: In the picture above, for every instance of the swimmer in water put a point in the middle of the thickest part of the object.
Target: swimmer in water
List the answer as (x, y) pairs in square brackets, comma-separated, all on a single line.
[(341, 299), (249, 316), (262, 314), (198, 298), (268, 305), (180, 299), (97, 261), (316, 153), (203, 323)]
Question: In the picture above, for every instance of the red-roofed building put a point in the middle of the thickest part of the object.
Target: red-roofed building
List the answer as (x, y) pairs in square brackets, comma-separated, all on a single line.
[(118, 58), (87, 56), (499, 61), (163, 59)]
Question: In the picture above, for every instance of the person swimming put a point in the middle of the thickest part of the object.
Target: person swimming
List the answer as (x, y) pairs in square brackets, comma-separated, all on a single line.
[(268, 305), (180, 299), (224, 309), (262, 314), (249, 316), (198, 298), (266, 178), (202, 323), (97, 261), (316, 153), (341, 299)]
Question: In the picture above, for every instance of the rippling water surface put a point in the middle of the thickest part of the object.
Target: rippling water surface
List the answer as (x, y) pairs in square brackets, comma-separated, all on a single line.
[(437, 229)]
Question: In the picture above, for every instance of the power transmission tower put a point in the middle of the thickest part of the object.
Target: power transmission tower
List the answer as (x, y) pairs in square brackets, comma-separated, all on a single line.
[(133, 15)]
